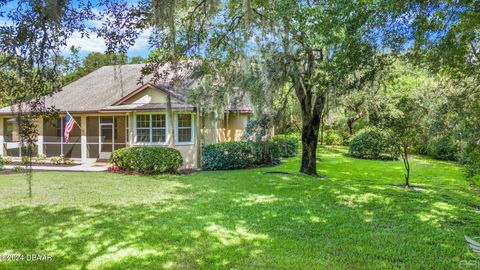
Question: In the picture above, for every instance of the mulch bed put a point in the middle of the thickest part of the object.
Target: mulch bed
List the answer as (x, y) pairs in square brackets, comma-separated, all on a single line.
[(43, 164), (10, 172)]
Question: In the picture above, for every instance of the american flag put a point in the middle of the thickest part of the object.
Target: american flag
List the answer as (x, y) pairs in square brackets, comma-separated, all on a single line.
[(69, 124)]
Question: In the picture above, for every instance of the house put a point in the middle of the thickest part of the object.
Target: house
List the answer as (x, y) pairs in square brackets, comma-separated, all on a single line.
[(114, 110)]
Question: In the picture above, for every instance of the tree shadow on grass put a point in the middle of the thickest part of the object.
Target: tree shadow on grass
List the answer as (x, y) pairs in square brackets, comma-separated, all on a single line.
[(135, 236), (251, 220)]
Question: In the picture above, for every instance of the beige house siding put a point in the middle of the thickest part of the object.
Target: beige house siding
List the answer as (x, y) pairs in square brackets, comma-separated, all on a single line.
[(189, 155), (235, 126), (213, 130)]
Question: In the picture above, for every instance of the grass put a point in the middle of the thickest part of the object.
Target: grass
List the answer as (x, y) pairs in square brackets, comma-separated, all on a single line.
[(355, 218)]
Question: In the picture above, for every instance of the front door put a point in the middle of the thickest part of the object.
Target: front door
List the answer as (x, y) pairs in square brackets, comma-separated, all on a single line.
[(106, 140)]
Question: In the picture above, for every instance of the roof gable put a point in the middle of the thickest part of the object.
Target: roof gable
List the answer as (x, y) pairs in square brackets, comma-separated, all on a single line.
[(148, 93)]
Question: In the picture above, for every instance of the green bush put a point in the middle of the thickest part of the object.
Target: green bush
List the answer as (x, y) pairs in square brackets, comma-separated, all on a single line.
[(265, 153), (331, 137), (147, 160), (6, 160), (374, 143), (40, 159), (239, 155), (476, 180), (57, 160), (2, 162), (470, 156), (443, 148), (288, 145), (25, 160)]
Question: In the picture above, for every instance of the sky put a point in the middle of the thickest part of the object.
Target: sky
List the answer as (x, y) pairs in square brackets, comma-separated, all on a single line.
[(97, 44), (94, 43)]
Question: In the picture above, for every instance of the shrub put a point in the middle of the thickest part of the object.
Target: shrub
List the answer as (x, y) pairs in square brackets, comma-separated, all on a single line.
[(226, 156), (443, 148), (476, 180), (2, 162), (288, 145), (470, 156), (57, 160), (374, 143), (147, 160), (332, 138), (25, 160), (69, 162), (239, 155), (17, 169), (265, 153), (7, 160), (40, 159), (258, 128)]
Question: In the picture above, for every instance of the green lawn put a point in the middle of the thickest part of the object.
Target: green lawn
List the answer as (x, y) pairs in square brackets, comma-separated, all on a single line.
[(354, 218)]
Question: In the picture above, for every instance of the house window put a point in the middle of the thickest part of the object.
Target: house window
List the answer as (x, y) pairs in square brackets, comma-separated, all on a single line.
[(159, 128), (151, 128), (184, 128)]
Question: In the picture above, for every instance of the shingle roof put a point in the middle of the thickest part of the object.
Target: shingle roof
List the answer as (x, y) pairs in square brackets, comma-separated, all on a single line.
[(99, 90)]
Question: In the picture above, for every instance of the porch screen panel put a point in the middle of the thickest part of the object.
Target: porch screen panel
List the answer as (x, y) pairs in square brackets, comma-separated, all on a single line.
[(71, 150), (92, 151), (92, 136), (54, 143), (52, 150), (52, 130), (120, 131), (11, 138)]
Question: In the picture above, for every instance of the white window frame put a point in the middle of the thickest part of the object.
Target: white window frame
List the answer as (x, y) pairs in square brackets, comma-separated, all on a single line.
[(150, 128), (192, 141)]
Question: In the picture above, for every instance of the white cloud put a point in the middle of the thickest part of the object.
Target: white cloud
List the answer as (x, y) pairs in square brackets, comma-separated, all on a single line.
[(86, 44), (97, 44)]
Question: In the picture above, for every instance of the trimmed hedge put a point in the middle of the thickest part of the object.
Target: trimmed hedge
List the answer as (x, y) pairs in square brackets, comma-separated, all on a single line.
[(288, 145), (374, 143), (239, 155), (147, 160)]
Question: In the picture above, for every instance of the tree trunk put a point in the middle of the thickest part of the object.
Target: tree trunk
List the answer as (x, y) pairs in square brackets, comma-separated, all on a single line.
[(406, 164), (310, 128), (309, 152), (352, 120)]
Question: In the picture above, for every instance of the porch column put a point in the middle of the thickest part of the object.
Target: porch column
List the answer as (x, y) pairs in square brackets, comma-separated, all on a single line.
[(134, 133), (40, 136), (131, 135), (1, 138), (83, 137)]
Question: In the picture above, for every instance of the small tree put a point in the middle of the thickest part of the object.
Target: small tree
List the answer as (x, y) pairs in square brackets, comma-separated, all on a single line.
[(406, 107), (33, 39), (407, 127)]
